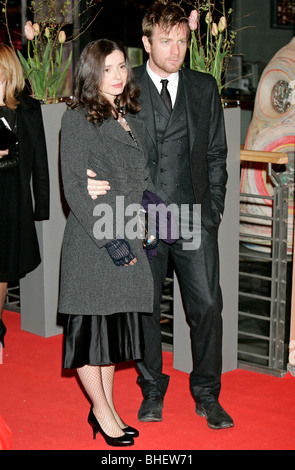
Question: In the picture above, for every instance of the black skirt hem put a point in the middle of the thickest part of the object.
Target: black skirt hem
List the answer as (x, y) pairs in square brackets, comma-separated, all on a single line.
[(102, 340)]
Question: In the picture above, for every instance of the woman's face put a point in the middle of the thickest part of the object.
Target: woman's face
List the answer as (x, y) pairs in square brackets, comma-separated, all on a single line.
[(3, 82), (2, 77), (115, 76)]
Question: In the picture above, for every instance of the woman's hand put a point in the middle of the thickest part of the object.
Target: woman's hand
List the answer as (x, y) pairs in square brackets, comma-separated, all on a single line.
[(120, 252), (3, 152), (134, 261), (96, 187)]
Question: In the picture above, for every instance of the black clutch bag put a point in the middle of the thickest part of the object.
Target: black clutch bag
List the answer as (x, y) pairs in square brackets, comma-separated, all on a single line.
[(8, 140), (7, 137)]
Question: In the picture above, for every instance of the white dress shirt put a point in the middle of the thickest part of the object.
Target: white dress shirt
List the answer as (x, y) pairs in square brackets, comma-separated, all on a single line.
[(172, 82)]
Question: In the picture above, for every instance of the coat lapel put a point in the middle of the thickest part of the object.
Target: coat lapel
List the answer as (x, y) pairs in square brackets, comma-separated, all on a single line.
[(115, 131), (193, 100), (147, 112), (138, 130), (178, 108)]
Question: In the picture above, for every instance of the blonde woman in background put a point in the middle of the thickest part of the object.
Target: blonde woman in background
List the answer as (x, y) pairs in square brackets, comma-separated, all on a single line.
[(19, 250)]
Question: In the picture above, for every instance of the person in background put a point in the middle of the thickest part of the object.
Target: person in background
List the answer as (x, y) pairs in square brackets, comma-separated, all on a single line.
[(105, 275), (25, 158), (187, 149)]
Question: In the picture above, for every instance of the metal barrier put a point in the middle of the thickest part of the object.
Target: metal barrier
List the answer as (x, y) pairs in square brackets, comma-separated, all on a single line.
[(166, 321), (12, 301), (263, 280)]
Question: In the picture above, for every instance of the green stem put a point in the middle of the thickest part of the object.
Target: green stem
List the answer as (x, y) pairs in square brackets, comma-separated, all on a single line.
[(216, 60), (29, 42), (36, 56), (59, 65), (207, 40), (193, 45)]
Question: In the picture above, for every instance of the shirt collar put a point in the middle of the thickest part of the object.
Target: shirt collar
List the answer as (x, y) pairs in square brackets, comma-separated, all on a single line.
[(173, 78)]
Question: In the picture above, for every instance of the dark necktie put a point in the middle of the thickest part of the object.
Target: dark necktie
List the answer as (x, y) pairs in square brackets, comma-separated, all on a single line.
[(166, 95)]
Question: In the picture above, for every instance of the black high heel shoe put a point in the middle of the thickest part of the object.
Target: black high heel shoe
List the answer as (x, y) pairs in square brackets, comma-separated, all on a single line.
[(130, 431), (2, 332), (121, 441)]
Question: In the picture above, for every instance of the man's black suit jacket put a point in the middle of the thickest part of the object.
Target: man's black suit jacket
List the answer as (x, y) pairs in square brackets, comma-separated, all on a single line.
[(207, 139)]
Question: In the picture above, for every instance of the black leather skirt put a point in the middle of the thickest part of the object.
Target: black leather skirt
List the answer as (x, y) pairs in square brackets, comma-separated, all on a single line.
[(9, 223), (102, 340)]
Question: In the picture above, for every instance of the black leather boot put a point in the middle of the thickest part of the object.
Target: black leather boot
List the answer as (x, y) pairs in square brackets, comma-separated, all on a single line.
[(217, 417), (153, 398), (151, 407), (208, 406)]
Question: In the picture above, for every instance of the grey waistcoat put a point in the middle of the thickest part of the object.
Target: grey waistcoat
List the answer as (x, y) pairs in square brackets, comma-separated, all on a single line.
[(172, 170)]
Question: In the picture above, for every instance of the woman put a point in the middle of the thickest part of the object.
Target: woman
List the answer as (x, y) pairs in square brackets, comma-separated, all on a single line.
[(105, 278), (19, 250)]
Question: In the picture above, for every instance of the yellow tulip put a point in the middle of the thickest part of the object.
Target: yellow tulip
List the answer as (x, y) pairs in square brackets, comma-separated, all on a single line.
[(62, 37), (214, 29), (36, 29), (222, 25)]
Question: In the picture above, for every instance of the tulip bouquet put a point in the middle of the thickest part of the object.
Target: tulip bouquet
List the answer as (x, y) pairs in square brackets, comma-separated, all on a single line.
[(44, 66), (211, 41)]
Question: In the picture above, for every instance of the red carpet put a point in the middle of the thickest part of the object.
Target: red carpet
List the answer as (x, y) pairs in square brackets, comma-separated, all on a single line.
[(45, 409)]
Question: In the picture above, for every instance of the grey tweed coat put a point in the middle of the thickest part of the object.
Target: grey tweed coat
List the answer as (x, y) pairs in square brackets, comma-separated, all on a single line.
[(91, 284)]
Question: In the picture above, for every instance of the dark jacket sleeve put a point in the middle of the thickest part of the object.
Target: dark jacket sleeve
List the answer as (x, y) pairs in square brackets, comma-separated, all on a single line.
[(34, 163), (217, 155), (40, 172)]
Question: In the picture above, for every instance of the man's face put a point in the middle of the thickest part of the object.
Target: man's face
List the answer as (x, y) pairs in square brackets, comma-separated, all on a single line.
[(167, 51)]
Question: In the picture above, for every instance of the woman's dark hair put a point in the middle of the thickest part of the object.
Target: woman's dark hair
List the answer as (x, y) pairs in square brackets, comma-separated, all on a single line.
[(88, 79)]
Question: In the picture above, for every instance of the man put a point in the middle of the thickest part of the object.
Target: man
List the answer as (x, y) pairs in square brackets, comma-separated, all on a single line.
[(187, 151)]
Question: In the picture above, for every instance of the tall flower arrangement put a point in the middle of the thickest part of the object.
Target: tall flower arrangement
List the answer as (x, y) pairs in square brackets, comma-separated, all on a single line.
[(211, 40), (44, 66)]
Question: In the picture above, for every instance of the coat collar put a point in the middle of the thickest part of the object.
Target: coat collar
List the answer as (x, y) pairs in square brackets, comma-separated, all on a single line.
[(147, 112), (27, 102), (193, 99), (114, 130)]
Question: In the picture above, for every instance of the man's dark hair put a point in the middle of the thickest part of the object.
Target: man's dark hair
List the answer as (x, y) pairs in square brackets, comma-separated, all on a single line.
[(166, 15)]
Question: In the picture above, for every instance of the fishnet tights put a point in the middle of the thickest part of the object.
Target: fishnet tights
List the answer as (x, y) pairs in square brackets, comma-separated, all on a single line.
[(98, 382)]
